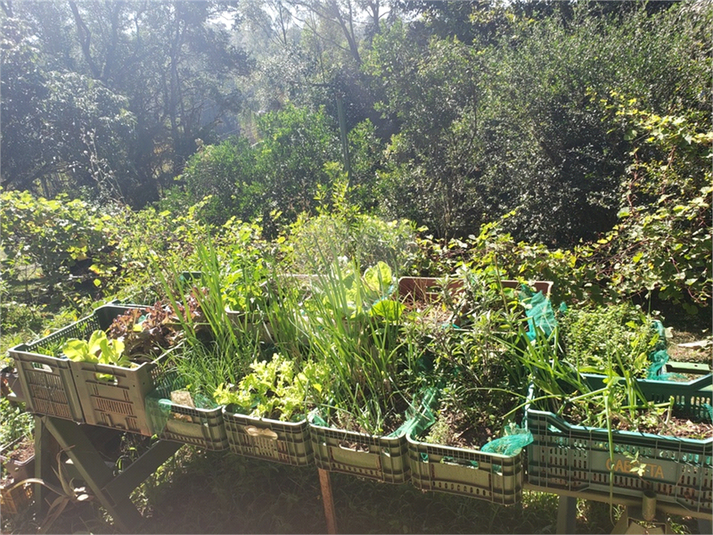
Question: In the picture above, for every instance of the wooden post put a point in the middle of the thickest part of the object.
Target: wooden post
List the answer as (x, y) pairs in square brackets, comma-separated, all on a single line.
[(329, 513)]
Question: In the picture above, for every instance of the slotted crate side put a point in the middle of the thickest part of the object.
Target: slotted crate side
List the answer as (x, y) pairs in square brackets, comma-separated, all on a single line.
[(465, 472), (47, 381), (576, 458), (271, 440), (170, 421), (199, 427), (115, 397), (383, 459)]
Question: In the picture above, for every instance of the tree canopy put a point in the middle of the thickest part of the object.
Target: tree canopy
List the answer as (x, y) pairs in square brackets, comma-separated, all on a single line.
[(453, 114)]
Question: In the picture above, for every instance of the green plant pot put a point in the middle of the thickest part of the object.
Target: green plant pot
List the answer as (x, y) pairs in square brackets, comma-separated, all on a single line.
[(564, 456), (270, 440)]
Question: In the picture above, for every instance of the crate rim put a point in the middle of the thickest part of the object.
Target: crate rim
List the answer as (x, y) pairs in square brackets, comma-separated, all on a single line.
[(412, 440), (626, 434)]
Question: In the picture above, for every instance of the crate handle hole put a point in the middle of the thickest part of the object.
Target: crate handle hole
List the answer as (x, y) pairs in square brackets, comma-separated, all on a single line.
[(354, 447), (257, 432)]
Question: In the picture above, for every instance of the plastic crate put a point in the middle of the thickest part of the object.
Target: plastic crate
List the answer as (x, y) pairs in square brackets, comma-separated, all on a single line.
[(72, 390), (466, 472), (383, 459), (47, 381), (270, 440), (179, 423), (118, 403), (15, 500), (428, 289), (576, 458)]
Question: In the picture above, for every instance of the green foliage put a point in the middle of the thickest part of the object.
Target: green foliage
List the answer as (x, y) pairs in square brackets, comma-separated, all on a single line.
[(435, 94), (662, 242), (16, 422), (344, 231), (64, 238), (277, 389), (224, 174), (99, 349), (594, 338)]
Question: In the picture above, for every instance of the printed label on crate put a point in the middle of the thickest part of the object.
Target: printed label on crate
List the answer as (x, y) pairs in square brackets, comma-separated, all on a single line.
[(631, 465), (635, 466)]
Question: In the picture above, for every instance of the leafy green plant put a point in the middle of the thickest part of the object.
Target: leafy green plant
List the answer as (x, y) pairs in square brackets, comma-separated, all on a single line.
[(276, 389), (354, 333), (98, 349), (617, 337)]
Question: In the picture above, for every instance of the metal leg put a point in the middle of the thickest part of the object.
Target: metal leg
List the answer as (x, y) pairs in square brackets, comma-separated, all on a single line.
[(566, 514), (111, 491), (328, 500)]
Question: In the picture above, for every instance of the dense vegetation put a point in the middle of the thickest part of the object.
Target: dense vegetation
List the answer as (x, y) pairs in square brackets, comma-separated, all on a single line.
[(582, 130), (560, 141)]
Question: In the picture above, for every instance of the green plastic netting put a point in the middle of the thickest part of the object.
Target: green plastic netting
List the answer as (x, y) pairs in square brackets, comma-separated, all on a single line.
[(659, 357), (511, 443), (539, 312)]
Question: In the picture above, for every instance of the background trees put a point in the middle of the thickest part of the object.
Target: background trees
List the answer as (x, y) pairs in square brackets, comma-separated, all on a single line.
[(576, 120)]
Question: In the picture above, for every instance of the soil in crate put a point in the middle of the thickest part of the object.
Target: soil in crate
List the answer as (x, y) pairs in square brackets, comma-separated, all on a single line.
[(25, 450), (674, 425)]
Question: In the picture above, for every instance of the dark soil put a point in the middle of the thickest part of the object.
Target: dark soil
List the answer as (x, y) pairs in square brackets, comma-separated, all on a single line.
[(23, 451), (676, 426)]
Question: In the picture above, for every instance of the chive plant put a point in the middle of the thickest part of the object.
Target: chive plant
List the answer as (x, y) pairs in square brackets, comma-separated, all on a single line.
[(225, 354), (354, 331)]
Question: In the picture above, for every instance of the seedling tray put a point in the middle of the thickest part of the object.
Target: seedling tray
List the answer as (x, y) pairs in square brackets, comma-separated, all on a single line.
[(485, 476), (383, 459), (270, 440), (570, 457)]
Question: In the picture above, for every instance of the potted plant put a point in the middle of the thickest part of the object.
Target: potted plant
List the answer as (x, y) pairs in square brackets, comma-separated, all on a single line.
[(613, 432), (354, 333), (472, 445), (266, 414)]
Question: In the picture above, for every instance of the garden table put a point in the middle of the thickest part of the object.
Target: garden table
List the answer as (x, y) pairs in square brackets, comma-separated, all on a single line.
[(567, 510), (112, 491)]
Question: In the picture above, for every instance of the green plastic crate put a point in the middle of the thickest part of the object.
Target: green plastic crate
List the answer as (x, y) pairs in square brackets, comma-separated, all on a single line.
[(179, 423), (270, 440), (383, 459), (47, 381), (486, 476), (576, 458)]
